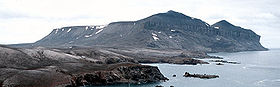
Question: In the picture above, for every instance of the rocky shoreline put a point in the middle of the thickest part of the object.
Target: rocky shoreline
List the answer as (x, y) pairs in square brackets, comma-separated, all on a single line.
[(48, 67), (56, 67), (124, 73), (165, 56), (188, 61), (52, 67)]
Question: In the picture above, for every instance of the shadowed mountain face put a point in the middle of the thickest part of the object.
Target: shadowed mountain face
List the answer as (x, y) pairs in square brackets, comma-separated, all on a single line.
[(170, 30), (236, 38)]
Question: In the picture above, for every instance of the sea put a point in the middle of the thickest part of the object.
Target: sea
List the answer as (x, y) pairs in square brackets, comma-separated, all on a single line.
[(256, 69)]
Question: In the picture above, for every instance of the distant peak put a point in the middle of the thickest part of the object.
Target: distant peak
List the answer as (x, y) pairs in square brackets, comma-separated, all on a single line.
[(171, 11), (173, 14), (169, 16), (224, 22)]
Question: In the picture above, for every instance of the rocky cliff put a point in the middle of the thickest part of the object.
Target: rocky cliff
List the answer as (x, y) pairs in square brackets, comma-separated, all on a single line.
[(125, 73), (170, 30), (235, 38)]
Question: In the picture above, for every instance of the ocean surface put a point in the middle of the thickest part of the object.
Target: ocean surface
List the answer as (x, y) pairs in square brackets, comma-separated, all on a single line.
[(257, 69)]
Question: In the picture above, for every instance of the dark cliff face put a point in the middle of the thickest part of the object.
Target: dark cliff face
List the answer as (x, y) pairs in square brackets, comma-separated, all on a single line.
[(170, 30), (242, 39), (129, 73)]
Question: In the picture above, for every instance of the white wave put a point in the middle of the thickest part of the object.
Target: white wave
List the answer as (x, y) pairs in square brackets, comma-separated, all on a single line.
[(276, 80)]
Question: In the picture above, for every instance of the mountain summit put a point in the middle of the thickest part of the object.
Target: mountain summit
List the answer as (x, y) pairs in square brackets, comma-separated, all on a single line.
[(170, 30), (173, 14), (223, 23)]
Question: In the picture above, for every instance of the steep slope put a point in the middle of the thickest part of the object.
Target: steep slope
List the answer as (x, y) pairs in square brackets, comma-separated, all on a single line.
[(69, 35), (236, 38), (170, 30)]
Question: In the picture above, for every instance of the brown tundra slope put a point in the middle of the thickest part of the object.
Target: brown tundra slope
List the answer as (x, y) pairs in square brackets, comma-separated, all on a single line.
[(42, 67)]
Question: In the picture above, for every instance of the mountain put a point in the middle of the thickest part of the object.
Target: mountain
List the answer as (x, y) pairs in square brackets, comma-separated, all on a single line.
[(237, 38), (170, 30)]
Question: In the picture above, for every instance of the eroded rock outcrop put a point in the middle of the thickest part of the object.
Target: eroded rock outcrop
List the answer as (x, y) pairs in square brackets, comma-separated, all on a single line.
[(124, 73)]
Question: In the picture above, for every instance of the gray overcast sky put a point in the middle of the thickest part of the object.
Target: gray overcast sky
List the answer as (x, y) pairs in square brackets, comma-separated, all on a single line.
[(25, 21)]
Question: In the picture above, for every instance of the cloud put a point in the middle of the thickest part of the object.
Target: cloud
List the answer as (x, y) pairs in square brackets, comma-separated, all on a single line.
[(30, 20), (10, 15)]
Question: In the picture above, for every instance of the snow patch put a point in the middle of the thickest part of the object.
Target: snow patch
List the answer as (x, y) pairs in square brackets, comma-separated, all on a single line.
[(207, 24), (69, 30), (56, 31), (63, 29), (192, 18), (87, 28), (172, 30), (159, 32), (134, 23), (100, 26), (170, 37), (98, 31), (155, 36), (88, 35), (217, 27), (218, 38)]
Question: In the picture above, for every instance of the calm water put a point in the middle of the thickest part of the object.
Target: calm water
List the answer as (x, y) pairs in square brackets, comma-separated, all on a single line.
[(257, 69)]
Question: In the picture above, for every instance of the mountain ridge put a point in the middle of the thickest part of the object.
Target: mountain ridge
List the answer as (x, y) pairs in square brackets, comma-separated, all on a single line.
[(170, 30)]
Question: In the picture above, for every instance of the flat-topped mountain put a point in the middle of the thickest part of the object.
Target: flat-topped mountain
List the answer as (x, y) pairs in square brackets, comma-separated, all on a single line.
[(170, 30)]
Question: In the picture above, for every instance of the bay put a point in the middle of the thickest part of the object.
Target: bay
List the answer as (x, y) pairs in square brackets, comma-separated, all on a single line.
[(257, 69)]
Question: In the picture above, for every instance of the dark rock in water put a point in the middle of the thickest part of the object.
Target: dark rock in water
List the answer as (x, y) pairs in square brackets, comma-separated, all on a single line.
[(219, 64), (202, 76), (218, 61), (173, 75), (159, 86), (223, 61), (171, 86), (170, 30)]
